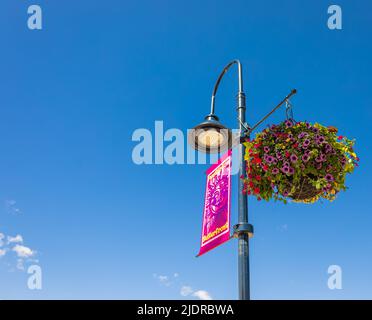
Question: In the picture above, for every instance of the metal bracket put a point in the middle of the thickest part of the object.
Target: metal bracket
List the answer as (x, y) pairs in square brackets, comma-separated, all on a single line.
[(246, 131), (243, 228)]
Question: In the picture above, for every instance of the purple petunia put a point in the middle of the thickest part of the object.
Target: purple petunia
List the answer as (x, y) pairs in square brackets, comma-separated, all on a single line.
[(343, 161), (328, 148), (305, 158), (291, 171), (285, 169), (275, 171), (327, 188), (266, 149), (302, 135), (269, 159), (288, 123), (306, 143), (329, 177), (321, 139), (293, 158), (279, 156)]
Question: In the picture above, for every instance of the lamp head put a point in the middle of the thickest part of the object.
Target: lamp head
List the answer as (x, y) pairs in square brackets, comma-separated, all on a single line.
[(210, 136)]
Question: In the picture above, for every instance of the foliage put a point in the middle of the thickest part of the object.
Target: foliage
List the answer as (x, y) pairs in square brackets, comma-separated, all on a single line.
[(284, 157)]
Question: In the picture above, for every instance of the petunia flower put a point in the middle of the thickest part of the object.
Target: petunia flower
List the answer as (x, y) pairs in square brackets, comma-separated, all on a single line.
[(285, 169), (294, 158), (275, 171), (305, 158), (288, 123), (306, 143)]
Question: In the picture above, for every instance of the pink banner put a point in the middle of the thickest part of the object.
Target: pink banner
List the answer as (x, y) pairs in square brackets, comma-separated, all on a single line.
[(216, 215)]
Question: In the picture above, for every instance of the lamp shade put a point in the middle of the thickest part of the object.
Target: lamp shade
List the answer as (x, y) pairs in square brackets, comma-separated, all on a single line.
[(210, 136)]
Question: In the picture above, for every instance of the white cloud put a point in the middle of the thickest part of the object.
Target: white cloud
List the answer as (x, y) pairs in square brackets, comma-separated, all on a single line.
[(23, 251), (163, 278), (17, 239), (186, 291), (202, 295), (2, 252)]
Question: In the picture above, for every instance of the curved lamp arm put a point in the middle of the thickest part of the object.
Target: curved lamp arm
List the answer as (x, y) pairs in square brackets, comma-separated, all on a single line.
[(240, 80)]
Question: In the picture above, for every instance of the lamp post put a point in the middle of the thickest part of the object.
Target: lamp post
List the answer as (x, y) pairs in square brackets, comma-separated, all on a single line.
[(212, 137)]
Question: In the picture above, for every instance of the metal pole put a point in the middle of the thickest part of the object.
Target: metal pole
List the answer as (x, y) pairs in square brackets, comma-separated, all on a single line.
[(242, 229), (243, 237)]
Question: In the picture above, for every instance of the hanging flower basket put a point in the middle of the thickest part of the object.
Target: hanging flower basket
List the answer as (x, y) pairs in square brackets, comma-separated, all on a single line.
[(298, 161)]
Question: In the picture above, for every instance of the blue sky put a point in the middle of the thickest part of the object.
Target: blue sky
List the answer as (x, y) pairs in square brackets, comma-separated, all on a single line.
[(102, 227)]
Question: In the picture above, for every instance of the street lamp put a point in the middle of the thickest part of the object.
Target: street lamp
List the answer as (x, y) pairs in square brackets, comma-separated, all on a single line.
[(210, 137)]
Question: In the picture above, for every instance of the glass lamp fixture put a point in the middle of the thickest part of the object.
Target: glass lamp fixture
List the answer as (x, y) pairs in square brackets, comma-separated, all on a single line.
[(210, 136)]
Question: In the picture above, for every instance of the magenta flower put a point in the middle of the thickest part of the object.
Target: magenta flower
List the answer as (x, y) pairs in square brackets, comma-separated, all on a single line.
[(302, 135), (293, 158), (321, 139), (328, 148), (343, 161), (285, 169), (329, 177), (266, 149), (305, 158), (275, 171), (288, 123), (318, 159), (269, 159), (306, 143)]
